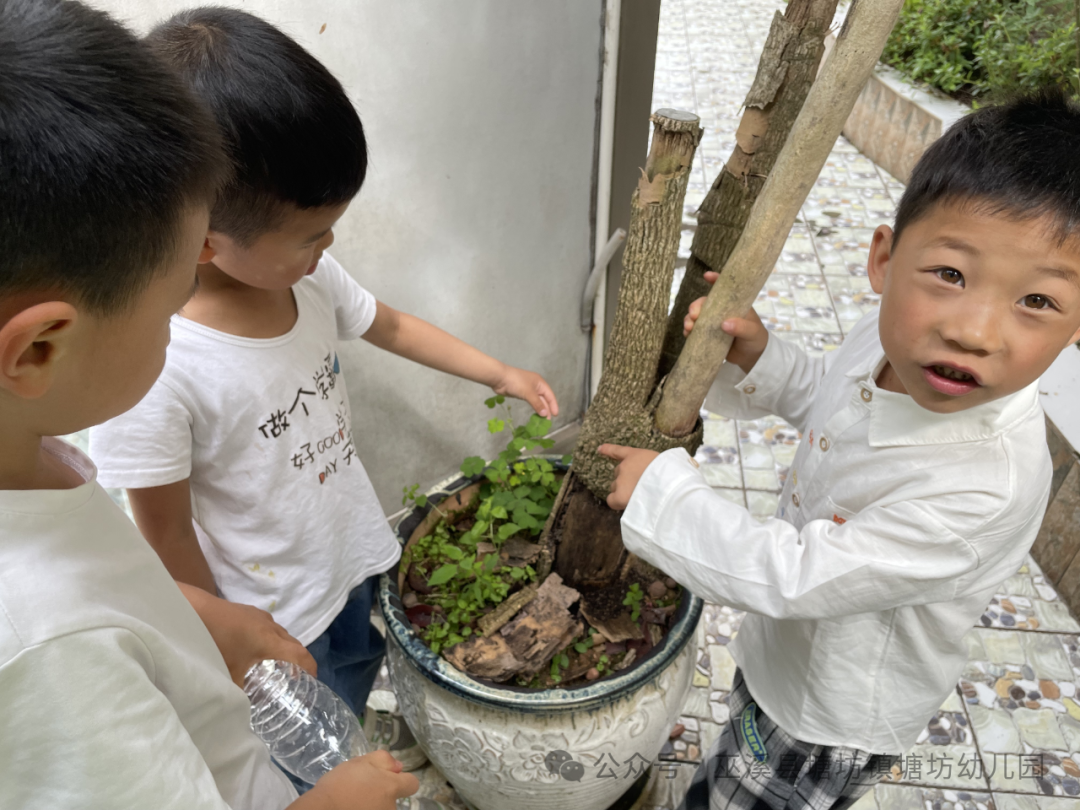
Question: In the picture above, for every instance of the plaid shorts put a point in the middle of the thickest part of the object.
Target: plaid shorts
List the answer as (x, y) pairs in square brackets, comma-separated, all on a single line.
[(756, 765)]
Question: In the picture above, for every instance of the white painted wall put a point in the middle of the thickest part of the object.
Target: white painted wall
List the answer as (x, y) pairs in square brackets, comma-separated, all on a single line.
[(481, 118)]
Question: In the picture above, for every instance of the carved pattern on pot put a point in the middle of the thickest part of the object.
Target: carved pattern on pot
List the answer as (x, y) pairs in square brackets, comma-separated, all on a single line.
[(483, 749)]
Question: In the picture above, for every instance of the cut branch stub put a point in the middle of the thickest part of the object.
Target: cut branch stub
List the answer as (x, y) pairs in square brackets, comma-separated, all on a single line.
[(620, 412), (785, 72), (858, 46)]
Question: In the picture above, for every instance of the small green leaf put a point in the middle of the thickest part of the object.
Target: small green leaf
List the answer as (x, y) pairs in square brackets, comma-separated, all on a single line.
[(499, 513), (568, 458), (537, 425), (442, 575), (564, 660), (421, 501), (473, 465), (490, 561), (581, 647), (508, 530), (496, 425), (454, 553)]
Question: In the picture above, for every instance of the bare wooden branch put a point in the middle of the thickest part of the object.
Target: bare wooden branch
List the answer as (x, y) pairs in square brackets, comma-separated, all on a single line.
[(788, 64), (858, 46)]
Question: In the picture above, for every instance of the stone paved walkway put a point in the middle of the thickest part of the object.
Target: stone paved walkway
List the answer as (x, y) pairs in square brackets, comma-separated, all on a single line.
[(1008, 738)]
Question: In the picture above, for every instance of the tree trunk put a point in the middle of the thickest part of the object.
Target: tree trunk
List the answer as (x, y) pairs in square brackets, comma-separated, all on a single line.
[(858, 46), (622, 411), (787, 68)]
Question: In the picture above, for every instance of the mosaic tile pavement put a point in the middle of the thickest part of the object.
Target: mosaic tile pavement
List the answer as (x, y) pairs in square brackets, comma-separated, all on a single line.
[(1008, 738)]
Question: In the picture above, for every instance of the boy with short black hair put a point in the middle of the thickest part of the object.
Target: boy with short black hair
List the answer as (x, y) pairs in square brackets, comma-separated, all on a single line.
[(920, 482), (112, 691), (240, 463)]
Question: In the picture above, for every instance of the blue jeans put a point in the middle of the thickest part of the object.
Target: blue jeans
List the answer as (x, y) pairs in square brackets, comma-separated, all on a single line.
[(349, 653)]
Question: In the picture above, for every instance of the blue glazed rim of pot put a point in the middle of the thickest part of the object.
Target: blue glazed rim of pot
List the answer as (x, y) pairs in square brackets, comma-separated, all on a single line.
[(440, 672)]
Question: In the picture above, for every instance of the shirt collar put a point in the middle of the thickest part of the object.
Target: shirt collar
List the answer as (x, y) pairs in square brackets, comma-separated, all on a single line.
[(897, 420)]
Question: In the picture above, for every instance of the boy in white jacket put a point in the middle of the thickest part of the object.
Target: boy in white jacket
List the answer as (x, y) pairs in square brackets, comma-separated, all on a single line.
[(920, 482)]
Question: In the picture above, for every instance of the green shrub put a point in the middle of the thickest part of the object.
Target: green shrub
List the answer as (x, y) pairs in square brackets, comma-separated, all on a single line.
[(975, 48)]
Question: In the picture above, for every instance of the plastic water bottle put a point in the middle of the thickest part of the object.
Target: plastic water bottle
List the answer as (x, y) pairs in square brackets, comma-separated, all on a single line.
[(307, 727)]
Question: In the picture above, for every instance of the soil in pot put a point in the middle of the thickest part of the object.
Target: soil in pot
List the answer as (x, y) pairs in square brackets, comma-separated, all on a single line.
[(487, 582)]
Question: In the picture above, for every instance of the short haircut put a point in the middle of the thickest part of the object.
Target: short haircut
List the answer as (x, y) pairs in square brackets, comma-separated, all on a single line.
[(1019, 159), (288, 126), (102, 151)]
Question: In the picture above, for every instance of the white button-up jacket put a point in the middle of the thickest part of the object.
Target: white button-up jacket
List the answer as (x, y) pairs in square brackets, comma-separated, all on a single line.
[(895, 527)]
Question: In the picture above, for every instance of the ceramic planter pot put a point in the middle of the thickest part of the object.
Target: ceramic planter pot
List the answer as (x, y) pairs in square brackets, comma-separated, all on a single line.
[(503, 747)]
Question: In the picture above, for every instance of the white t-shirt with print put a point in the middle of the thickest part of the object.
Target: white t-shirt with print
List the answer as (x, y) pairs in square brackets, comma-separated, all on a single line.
[(112, 693), (283, 508)]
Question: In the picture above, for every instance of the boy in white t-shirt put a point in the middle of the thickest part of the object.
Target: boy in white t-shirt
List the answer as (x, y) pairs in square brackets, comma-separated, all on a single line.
[(919, 484), (112, 692), (240, 463)]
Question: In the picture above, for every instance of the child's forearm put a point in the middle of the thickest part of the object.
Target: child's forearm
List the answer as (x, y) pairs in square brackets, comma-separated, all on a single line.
[(417, 340), (163, 515)]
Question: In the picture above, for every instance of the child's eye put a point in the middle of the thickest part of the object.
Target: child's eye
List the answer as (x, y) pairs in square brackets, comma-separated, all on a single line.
[(951, 276), (1037, 302)]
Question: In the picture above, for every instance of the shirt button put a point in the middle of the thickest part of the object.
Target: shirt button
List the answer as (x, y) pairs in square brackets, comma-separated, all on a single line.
[(824, 443), (750, 389), (867, 395), (795, 498)]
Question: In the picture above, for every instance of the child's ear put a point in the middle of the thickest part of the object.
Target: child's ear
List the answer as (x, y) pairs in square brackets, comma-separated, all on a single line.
[(209, 248), (31, 343), (877, 263)]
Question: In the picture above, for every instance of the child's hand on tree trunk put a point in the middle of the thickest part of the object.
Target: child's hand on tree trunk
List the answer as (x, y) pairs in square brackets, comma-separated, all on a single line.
[(749, 332), (632, 464)]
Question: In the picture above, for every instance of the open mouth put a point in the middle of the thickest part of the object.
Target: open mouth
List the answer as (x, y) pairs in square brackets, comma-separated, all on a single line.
[(952, 373), (949, 380)]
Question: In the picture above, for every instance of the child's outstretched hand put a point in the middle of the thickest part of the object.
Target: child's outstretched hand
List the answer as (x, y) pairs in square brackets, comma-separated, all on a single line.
[(245, 635), (529, 386), (749, 332), (372, 782), (632, 464)]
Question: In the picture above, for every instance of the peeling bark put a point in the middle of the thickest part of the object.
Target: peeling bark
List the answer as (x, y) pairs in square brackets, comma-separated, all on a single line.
[(785, 73), (858, 46), (621, 412)]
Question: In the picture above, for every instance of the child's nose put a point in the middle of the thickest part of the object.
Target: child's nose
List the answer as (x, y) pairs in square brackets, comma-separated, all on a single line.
[(976, 329)]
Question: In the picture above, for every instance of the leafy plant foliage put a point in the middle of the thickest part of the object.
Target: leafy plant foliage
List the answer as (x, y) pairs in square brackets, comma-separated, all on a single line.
[(978, 48), (516, 497)]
